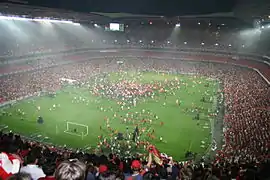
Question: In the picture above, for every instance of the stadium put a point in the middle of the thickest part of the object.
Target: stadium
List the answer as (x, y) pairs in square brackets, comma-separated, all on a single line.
[(184, 93)]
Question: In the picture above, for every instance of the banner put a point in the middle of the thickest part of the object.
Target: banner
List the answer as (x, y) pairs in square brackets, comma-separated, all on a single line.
[(156, 154)]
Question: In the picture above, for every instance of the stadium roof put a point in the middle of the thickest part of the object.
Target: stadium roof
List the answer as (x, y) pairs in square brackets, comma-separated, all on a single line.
[(124, 15), (97, 17), (35, 11), (128, 15)]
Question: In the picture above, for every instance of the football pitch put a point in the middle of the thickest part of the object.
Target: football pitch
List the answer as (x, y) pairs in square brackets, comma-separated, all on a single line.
[(174, 116)]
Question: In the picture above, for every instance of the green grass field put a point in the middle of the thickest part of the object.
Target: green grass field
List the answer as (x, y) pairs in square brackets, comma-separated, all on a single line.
[(180, 131)]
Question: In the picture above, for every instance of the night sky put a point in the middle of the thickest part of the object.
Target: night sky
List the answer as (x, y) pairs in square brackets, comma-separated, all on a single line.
[(157, 7)]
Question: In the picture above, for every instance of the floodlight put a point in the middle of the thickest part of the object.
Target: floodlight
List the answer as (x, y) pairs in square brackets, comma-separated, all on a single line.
[(43, 20), (52, 20), (14, 18)]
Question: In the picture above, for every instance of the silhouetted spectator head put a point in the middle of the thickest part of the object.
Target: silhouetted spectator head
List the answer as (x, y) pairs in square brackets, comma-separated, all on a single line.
[(107, 176), (49, 169), (136, 165), (20, 176), (70, 170)]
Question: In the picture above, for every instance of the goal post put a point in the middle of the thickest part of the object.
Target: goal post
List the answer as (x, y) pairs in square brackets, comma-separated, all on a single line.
[(163, 72), (76, 129)]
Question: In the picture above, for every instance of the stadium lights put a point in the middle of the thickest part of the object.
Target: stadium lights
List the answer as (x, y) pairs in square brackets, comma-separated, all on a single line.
[(16, 18), (13, 18), (76, 24), (265, 26), (177, 25), (52, 21)]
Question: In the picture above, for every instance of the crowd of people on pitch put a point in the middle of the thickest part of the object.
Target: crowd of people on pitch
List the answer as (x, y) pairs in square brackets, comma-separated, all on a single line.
[(245, 152), (19, 85)]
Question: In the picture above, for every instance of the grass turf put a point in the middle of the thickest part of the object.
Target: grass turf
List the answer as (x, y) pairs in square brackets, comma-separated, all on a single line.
[(180, 131)]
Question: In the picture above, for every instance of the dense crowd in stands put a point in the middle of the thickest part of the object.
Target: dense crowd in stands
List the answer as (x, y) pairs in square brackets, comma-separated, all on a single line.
[(244, 155)]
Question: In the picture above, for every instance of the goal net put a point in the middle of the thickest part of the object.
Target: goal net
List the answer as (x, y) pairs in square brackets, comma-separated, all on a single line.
[(76, 129)]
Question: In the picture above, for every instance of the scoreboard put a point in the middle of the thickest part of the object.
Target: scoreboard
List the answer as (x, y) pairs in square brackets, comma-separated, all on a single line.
[(115, 27)]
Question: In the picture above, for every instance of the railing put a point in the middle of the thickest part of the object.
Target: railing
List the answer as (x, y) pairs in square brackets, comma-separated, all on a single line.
[(232, 53)]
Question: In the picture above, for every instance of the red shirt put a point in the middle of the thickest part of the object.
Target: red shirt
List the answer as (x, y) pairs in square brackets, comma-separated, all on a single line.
[(47, 178)]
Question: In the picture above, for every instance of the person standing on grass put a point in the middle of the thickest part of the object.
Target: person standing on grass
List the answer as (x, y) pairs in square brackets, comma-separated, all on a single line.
[(135, 133)]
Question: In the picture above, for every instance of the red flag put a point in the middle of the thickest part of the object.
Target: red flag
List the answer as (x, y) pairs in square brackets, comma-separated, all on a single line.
[(8, 165), (156, 154)]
